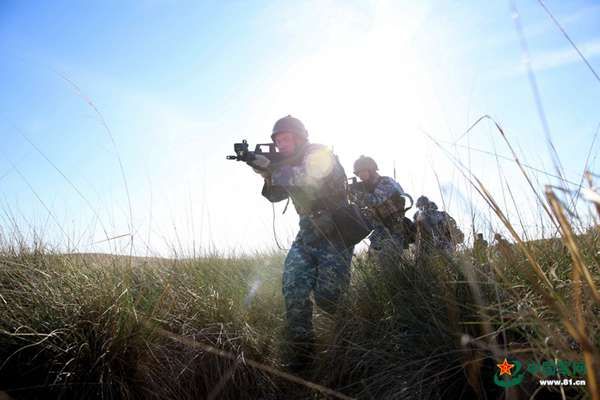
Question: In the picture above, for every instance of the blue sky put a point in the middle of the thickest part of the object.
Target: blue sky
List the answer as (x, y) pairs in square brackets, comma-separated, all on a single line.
[(178, 82)]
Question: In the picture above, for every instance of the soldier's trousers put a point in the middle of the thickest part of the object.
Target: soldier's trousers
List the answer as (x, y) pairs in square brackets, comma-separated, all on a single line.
[(321, 268), (387, 252)]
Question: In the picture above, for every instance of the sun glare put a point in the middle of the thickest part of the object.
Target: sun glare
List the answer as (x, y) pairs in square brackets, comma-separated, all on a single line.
[(319, 164), (364, 89)]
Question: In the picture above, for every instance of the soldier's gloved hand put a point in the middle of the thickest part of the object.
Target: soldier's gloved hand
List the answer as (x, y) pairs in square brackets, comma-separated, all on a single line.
[(357, 188), (262, 172), (356, 194), (260, 165), (259, 162)]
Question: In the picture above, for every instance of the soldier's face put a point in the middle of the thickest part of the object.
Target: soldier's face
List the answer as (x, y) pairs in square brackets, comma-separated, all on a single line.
[(364, 175), (286, 143)]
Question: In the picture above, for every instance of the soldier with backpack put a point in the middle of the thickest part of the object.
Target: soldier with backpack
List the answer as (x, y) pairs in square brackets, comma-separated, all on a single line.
[(317, 265), (435, 229), (382, 201)]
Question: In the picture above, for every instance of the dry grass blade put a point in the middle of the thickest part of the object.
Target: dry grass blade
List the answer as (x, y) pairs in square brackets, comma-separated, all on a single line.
[(489, 199), (549, 295), (506, 158), (569, 240), (566, 35), (104, 124), (579, 269), (593, 196), (253, 364), (518, 162), (535, 90), (492, 203), (69, 181)]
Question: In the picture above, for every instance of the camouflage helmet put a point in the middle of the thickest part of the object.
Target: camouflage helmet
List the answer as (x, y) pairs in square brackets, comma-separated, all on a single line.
[(364, 163), (289, 124), (422, 201)]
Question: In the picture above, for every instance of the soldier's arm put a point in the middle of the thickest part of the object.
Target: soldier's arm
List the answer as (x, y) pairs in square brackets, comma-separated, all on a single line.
[(382, 192), (273, 193), (416, 216)]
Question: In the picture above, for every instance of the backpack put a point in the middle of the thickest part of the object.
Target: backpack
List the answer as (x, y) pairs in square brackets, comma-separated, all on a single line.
[(410, 230), (452, 230)]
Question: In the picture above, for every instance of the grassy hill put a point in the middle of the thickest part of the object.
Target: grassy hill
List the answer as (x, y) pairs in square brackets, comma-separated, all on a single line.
[(101, 326)]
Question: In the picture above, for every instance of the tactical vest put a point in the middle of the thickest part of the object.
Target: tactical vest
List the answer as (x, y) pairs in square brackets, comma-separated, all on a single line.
[(330, 195), (391, 211), (324, 209)]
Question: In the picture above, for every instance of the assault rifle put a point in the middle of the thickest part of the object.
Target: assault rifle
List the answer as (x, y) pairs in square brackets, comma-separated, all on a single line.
[(355, 186), (391, 221), (243, 154)]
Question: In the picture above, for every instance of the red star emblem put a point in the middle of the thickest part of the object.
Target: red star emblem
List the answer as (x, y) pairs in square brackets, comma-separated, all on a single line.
[(505, 368)]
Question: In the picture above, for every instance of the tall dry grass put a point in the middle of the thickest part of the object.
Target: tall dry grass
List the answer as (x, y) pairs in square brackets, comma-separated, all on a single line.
[(101, 326)]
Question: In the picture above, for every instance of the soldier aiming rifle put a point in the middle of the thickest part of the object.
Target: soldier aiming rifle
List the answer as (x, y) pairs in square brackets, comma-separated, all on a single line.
[(318, 261)]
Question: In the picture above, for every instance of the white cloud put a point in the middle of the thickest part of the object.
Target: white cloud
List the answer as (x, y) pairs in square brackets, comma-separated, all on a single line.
[(550, 59), (565, 56)]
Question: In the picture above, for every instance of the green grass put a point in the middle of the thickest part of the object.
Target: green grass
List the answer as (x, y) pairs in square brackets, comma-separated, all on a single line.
[(98, 326)]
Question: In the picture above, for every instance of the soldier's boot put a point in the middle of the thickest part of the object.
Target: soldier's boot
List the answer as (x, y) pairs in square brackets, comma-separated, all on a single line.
[(300, 357)]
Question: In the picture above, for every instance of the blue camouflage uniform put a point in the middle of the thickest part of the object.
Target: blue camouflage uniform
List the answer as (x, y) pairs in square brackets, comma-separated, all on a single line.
[(317, 262), (438, 229), (383, 208)]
